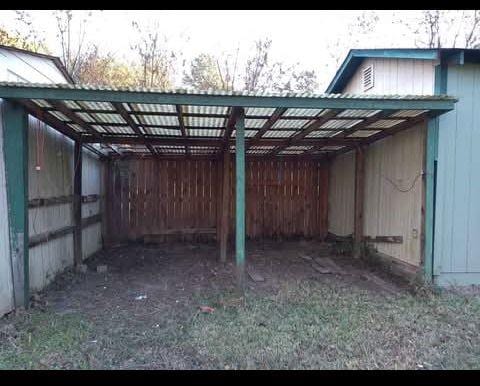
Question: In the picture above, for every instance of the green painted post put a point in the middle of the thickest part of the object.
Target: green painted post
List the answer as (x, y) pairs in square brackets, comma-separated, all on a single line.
[(15, 149), (240, 200), (432, 146)]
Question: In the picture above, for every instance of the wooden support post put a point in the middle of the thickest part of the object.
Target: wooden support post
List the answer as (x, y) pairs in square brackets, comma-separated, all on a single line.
[(15, 147), (240, 200), (225, 208), (359, 195), (77, 203)]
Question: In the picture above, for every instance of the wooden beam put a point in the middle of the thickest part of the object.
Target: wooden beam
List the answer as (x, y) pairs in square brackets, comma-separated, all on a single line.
[(229, 127), (240, 201), (216, 142), (359, 198), (384, 239), (77, 203), (225, 211), (307, 130), (48, 118), (183, 130), (60, 106), (126, 116), (271, 121), (15, 147)]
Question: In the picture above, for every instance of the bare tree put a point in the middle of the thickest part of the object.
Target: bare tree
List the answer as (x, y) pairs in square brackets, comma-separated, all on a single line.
[(441, 28), (72, 34), (25, 36), (155, 59)]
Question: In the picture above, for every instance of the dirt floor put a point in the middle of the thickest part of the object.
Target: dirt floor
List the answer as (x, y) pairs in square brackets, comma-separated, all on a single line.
[(175, 306)]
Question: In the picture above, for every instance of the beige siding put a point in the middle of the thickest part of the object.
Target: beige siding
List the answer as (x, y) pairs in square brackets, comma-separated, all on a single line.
[(395, 76), (341, 195), (394, 192), (53, 152)]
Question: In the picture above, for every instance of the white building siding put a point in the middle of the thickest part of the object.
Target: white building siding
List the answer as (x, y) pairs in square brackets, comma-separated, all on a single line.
[(395, 76)]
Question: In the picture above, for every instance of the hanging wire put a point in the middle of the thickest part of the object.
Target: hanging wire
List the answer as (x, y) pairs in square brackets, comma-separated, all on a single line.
[(400, 189)]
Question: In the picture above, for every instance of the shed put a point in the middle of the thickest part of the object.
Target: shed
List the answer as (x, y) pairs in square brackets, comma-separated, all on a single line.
[(169, 169)]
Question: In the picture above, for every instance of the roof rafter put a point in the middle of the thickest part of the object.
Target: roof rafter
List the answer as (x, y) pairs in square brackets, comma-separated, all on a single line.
[(271, 121), (126, 116), (305, 131), (230, 126), (60, 106), (181, 123)]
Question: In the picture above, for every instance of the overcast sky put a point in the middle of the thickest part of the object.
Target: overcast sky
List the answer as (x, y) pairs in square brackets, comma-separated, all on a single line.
[(308, 37)]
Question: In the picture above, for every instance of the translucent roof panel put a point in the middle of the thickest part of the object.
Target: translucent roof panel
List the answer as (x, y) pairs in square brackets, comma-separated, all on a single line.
[(357, 113), (248, 133), (207, 110), (320, 134), (153, 108), (96, 105), (290, 123), (363, 133), (278, 134), (259, 111), (59, 115), (203, 149), (204, 132), (302, 112), (204, 122), (340, 124), (254, 123), (407, 113), (385, 123), (159, 120), (108, 118), (116, 129), (41, 102), (161, 131)]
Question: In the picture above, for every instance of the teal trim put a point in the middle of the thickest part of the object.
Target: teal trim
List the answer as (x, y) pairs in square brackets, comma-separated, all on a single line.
[(240, 199), (355, 58), (15, 148), (431, 155), (321, 102), (440, 87)]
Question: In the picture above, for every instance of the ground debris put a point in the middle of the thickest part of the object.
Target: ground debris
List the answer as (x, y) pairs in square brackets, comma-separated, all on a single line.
[(140, 297), (254, 275), (207, 309), (101, 268)]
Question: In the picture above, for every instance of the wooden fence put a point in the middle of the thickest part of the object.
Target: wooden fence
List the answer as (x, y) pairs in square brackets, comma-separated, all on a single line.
[(285, 198)]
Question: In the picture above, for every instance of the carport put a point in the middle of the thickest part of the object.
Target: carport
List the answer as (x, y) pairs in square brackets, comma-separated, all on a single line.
[(168, 154)]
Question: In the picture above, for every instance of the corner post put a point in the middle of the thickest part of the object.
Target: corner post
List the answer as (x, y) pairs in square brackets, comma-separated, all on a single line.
[(225, 205), (77, 202), (240, 199), (359, 198), (15, 147)]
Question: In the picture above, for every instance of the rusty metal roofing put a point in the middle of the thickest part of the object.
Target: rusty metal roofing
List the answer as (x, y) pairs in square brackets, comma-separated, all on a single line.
[(192, 122)]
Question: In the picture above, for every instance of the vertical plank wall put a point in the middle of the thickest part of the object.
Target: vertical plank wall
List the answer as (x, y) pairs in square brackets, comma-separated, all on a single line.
[(53, 152), (6, 285), (393, 193), (457, 221), (148, 196)]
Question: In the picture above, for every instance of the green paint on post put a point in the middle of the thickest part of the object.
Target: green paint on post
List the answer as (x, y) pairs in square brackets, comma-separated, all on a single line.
[(15, 148), (240, 200), (430, 181)]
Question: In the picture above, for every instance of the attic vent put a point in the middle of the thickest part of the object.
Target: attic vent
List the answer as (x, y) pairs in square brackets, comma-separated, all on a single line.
[(367, 78)]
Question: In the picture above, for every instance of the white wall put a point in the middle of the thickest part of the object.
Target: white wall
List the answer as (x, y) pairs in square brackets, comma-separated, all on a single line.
[(395, 76)]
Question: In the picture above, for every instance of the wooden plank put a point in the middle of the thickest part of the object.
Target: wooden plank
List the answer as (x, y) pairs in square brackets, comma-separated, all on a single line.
[(77, 203), (384, 239), (359, 198)]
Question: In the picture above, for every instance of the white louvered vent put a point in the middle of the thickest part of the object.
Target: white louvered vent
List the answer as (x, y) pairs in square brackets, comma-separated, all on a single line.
[(367, 78)]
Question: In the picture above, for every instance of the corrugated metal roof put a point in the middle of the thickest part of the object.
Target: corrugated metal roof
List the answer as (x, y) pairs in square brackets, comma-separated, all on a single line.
[(203, 123)]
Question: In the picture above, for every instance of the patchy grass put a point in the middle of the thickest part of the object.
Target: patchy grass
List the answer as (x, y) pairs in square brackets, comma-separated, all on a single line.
[(305, 326), (40, 340)]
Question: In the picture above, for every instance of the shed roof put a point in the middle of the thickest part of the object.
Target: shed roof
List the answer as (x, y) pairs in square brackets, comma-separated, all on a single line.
[(355, 57), (142, 121)]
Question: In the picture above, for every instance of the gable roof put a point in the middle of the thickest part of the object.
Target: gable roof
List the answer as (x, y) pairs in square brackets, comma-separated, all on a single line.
[(356, 56), (55, 59)]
